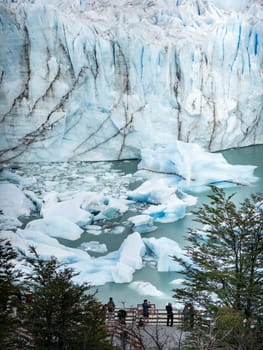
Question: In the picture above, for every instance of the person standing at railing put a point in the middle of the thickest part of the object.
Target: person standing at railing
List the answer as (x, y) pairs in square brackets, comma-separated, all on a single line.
[(111, 308), (170, 315), (145, 310), (188, 316)]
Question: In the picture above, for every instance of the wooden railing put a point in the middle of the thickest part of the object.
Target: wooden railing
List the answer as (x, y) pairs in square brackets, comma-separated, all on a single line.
[(128, 331), (156, 316)]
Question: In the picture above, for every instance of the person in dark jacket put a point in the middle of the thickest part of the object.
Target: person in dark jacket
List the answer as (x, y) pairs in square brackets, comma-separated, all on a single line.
[(170, 315), (111, 308), (145, 309)]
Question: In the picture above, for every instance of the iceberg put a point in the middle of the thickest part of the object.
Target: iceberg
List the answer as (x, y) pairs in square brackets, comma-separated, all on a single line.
[(94, 246), (146, 288), (56, 226), (142, 223), (174, 171), (70, 209), (167, 180), (162, 250), (13, 202)]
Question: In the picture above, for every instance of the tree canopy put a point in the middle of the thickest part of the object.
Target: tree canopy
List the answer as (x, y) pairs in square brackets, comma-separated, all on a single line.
[(45, 308), (225, 255), (10, 286), (62, 314)]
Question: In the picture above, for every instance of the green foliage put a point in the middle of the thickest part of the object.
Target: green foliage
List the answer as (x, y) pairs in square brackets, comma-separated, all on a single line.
[(9, 289), (226, 256), (62, 314), (228, 319)]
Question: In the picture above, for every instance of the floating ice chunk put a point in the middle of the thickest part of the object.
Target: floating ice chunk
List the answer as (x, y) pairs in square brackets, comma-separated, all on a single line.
[(106, 205), (15, 178), (163, 249), (108, 214), (132, 250), (56, 226), (84, 207), (177, 281), (172, 169), (174, 210), (34, 199), (142, 223), (122, 273), (70, 209), (118, 266), (94, 202), (190, 163), (13, 202), (146, 288), (46, 246), (94, 246), (9, 223), (117, 230), (172, 203), (93, 229), (153, 191)]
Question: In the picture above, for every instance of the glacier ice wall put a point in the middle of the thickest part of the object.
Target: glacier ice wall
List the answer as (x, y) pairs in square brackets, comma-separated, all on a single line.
[(100, 80)]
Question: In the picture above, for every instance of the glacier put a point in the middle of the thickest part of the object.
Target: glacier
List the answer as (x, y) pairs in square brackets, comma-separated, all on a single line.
[(102, 80)]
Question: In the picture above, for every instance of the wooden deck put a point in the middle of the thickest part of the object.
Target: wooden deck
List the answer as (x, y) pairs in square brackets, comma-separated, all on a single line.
[(130, 332), (156, 316)]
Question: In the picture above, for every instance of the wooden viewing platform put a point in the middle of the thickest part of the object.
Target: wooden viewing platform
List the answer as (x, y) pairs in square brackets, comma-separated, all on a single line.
[(156, 315), (154, 327)]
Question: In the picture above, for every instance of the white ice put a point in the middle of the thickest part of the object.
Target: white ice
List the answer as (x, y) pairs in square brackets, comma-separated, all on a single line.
[(142, 223), (13, 202), (169, 174), (56, 226), (180, 168), (162, 250), (94, 246), (127, 75), (146, 288)]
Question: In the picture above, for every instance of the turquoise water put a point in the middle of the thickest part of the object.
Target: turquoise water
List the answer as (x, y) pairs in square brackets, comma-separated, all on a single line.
[(161, 280), (115, 178)]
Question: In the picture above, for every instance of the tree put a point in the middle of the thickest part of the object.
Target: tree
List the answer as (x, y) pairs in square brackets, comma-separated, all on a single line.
[(223, 271), (62, 314), (226, 256), (9, 291)]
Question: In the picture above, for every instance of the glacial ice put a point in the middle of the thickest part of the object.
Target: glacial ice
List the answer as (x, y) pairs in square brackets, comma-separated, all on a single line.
[(121, 79), (94, 246), (70, 209), (56, 226), (99, 80), (13, 202), (163, 249), (168, 174), (177, 169), (146, 288), (142, 223)]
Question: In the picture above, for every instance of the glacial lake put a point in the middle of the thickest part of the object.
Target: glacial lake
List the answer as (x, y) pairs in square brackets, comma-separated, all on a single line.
[(116, 178)]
